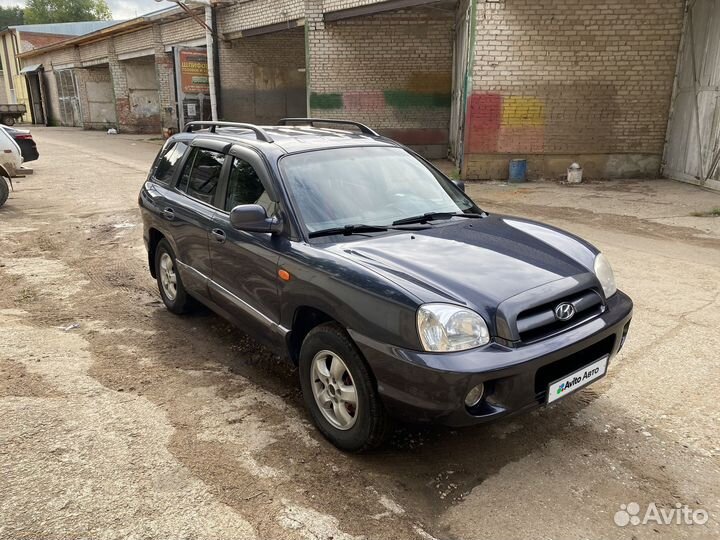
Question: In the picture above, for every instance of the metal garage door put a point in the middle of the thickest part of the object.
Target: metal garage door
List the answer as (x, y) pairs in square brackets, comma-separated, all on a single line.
[(68, 98), (461, 60), (692, 151)]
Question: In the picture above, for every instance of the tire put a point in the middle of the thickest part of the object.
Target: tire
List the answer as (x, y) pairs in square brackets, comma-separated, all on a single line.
[(176, 298), (8, 120), (4, 190), (368, 426)]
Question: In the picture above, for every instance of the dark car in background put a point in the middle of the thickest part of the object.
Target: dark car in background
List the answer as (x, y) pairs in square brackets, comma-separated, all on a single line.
[(391, 290), (25, 141)]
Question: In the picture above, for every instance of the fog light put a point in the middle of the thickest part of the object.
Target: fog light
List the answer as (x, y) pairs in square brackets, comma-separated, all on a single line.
[(475, 395)]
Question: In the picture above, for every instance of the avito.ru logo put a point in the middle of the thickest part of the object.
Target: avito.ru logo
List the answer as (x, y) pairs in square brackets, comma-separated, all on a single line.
[(629, 514)]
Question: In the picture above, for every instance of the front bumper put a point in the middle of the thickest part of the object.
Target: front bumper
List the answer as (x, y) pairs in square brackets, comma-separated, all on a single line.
[(430, 387)]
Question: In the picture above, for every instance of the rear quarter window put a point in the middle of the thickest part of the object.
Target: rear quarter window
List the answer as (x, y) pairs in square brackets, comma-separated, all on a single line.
[(168, 162)]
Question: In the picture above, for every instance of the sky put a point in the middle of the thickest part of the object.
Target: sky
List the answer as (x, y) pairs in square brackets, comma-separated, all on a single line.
[(121, 9)]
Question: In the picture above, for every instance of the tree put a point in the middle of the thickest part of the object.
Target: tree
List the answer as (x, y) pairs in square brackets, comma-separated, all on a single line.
[(10, 16), (57, 11)]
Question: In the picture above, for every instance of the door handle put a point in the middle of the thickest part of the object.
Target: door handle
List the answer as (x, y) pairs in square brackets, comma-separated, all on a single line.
[(169, 214), (219, 235)]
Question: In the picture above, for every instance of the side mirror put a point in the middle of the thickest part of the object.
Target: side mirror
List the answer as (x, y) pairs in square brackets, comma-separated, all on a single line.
[(460, 184), (254, 218)]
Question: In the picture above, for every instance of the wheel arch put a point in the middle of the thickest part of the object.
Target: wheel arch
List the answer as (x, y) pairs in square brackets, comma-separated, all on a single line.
[(154, 238), (305, 318)]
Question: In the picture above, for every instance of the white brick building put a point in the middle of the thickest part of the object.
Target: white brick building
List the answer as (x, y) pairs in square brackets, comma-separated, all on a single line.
[(552, 81)]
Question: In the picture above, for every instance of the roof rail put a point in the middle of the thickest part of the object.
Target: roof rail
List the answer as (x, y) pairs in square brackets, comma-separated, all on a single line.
[(311, 121), (259, 132)]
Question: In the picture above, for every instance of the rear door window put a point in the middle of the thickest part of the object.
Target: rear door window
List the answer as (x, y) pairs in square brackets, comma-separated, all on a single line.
[(168, 162), (201, 174)]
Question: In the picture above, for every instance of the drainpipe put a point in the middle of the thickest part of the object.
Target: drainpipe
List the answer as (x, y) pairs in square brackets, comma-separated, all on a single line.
[(210, 25), (215, 65), (211, 54)]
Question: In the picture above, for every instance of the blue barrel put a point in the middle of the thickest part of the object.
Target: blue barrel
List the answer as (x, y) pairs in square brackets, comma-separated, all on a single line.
[(518, 170)]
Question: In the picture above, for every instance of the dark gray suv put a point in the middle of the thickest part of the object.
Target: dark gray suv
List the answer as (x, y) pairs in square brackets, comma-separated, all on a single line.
[(393, 292)]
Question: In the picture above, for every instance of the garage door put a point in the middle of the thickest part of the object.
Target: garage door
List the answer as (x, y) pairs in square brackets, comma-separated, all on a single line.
[(692, 151), (69, 104)]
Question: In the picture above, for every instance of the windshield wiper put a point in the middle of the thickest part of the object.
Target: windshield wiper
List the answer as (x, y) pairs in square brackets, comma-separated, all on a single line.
[(431, 216), (348, 230), (360, 228)]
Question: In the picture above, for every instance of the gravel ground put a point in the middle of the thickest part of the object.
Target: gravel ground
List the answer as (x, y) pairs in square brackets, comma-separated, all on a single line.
[(120, 420)]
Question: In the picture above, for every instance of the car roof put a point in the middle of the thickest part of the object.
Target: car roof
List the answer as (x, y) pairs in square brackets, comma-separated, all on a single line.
[(290, 139)]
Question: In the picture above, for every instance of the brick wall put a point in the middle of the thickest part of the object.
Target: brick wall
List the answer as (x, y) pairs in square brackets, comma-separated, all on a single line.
[(165, 70), (134, 41), (67, 55), (258, 13), (263, 77), (94, 51), (391, 70), (554, 81), (181, 30), (562, 80)]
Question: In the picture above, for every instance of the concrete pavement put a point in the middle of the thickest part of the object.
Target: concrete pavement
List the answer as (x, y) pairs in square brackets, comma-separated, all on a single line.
[(140, 424)]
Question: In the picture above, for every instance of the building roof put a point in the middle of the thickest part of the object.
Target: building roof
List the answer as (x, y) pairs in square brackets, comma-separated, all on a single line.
[(64, 29), (113, 28)]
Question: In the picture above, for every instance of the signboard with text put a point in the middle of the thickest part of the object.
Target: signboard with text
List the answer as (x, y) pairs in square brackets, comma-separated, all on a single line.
[(194, 71), (192, 84)]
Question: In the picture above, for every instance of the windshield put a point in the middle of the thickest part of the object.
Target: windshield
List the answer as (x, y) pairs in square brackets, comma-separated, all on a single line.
[(367, 185)]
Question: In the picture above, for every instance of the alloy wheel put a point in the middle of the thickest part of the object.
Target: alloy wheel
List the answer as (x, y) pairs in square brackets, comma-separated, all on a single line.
[(168, 279), (334, 390)]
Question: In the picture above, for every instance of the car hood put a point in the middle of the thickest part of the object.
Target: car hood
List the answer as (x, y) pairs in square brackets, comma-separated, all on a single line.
[(476, 262)]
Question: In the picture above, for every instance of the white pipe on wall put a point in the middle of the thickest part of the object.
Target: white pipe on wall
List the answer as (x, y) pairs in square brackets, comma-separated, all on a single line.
[(211, 61)]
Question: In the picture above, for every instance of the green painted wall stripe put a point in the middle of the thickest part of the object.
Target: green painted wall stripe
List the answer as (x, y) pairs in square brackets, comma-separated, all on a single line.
[(399, 99), (326, 101), (402, 99)]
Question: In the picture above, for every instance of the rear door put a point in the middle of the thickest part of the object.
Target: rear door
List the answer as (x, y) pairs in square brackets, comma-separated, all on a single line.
[(245, 264), (189, 212), (159, 184)]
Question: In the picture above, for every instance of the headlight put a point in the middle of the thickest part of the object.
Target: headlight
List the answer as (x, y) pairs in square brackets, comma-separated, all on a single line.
[(604, 273), (446, 327)]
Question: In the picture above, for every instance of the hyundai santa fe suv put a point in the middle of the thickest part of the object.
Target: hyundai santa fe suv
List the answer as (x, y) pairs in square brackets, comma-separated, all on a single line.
[(395, 295)]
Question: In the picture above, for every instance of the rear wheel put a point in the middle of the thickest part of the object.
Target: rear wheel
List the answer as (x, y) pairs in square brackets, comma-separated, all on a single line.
[(8, 120), (339, 390), (4, 190), (171, 288)]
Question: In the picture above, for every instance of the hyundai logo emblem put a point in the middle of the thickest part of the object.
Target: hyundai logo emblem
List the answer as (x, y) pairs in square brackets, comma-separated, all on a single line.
[(564, 311)]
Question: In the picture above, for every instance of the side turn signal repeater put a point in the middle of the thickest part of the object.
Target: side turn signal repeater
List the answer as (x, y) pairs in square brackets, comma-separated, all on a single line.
[(284, 274)]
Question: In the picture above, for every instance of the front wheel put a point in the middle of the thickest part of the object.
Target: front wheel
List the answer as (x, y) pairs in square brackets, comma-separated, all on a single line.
[(339, 390), (4, 190)]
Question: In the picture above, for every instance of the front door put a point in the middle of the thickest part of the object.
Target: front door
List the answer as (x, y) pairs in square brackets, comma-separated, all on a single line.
[(245, 264)]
